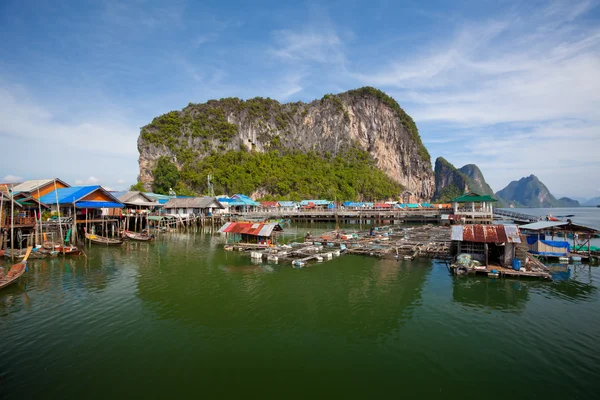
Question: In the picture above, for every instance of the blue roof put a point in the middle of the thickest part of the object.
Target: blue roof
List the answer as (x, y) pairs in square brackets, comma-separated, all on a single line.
[(243, 200), (288, 204), (315, 202), (160, 198), (98, 204), (68, 195), (73, 194)]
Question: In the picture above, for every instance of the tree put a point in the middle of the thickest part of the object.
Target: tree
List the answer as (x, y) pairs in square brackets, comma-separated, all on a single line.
[(138, 187), (166, 176)]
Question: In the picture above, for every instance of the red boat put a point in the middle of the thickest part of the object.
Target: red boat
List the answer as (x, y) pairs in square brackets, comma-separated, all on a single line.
[(15, 271)]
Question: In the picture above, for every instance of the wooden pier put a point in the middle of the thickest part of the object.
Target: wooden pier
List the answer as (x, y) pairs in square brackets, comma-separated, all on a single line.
[(426, 215)]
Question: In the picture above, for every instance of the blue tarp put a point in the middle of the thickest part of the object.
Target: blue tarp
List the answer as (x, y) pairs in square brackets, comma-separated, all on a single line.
[(315, 202), (98, 204), (68, 195)]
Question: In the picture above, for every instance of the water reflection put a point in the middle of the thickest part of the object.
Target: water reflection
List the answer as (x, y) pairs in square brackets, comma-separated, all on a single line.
[(497, 294), (227, 292)]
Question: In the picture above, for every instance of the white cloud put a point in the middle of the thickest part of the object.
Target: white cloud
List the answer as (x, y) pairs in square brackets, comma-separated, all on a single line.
[(92, 180), (12, 179), (308, 46), (121, 182), (60, 136), (523, 91)]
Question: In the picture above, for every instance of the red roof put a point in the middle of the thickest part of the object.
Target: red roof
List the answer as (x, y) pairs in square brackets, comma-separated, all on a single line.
[(486, 233), (383, 205), (269, 203), (250, 228)]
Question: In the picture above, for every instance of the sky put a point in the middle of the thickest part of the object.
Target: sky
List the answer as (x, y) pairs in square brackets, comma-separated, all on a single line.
[(511, 86)]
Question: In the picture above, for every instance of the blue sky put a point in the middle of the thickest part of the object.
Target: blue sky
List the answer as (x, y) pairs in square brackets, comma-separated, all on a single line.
[(513, 87)]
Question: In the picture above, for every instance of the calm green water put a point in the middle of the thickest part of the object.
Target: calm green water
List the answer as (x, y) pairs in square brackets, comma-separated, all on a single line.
[(181, 317)]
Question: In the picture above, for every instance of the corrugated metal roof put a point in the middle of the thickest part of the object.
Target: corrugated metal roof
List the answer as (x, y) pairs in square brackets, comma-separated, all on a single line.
[(194, 202), (29, 186), (251, 228), (269, 203), (536, 226), (486, 233)]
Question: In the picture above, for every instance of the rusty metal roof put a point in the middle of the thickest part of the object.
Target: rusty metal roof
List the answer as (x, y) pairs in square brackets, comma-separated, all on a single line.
[(486, 233), (251, 228)]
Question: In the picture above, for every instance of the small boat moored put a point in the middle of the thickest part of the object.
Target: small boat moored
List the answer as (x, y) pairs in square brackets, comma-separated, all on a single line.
[(15, 271), (141, 237)]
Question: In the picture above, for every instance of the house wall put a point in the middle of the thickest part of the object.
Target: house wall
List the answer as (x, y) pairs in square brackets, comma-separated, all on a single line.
[(97, 195), (48, 188)]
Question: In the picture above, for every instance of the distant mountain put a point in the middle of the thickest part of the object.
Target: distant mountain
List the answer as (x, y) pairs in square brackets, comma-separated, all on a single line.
[(477, 183), (567, 202), (592, 202), (528, 192), (451, 182)]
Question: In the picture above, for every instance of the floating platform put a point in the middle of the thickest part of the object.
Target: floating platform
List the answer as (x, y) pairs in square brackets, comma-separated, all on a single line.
[(498, 271)]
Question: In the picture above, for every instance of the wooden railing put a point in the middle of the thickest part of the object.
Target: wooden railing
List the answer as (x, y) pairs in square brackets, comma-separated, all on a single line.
[(18, 221)]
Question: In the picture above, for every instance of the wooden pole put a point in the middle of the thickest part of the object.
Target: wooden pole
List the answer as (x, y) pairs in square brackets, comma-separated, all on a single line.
[(62, 243), (74, 229), (12, 223), (40, 212)]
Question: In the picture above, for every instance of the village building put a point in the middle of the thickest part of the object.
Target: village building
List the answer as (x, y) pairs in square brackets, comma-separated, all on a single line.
[(317, 204), (137, 202), (288, 205), (186, 206), (269, 206), (252, 233), (487, 244), (38, 188), (550, 239), (239, 203), (159, 198), (83, 201), (473, 208)]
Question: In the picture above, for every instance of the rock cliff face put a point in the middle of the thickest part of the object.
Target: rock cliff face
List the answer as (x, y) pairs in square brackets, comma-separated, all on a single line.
[(365, 118), (528, 192), (478, 183), (451, 182)]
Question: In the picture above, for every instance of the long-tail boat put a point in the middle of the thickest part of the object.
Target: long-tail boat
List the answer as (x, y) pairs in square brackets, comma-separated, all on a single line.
[(95, 239), (15, 271), (141, 237)]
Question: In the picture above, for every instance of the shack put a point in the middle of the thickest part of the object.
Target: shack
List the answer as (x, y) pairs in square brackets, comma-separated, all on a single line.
[(137, 202), (263, 234), (488, 244), (317, 204), (551, 238), (288, 205), (186, 206)]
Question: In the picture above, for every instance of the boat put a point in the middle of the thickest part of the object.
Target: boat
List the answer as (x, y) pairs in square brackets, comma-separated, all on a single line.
[(141, 237), (15, 271), (95, 239), (68, 250)]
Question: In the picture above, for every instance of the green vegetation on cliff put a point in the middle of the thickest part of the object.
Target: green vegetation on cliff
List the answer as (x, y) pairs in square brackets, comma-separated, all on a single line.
[(294, 176), (207, 124), (448, 193)]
